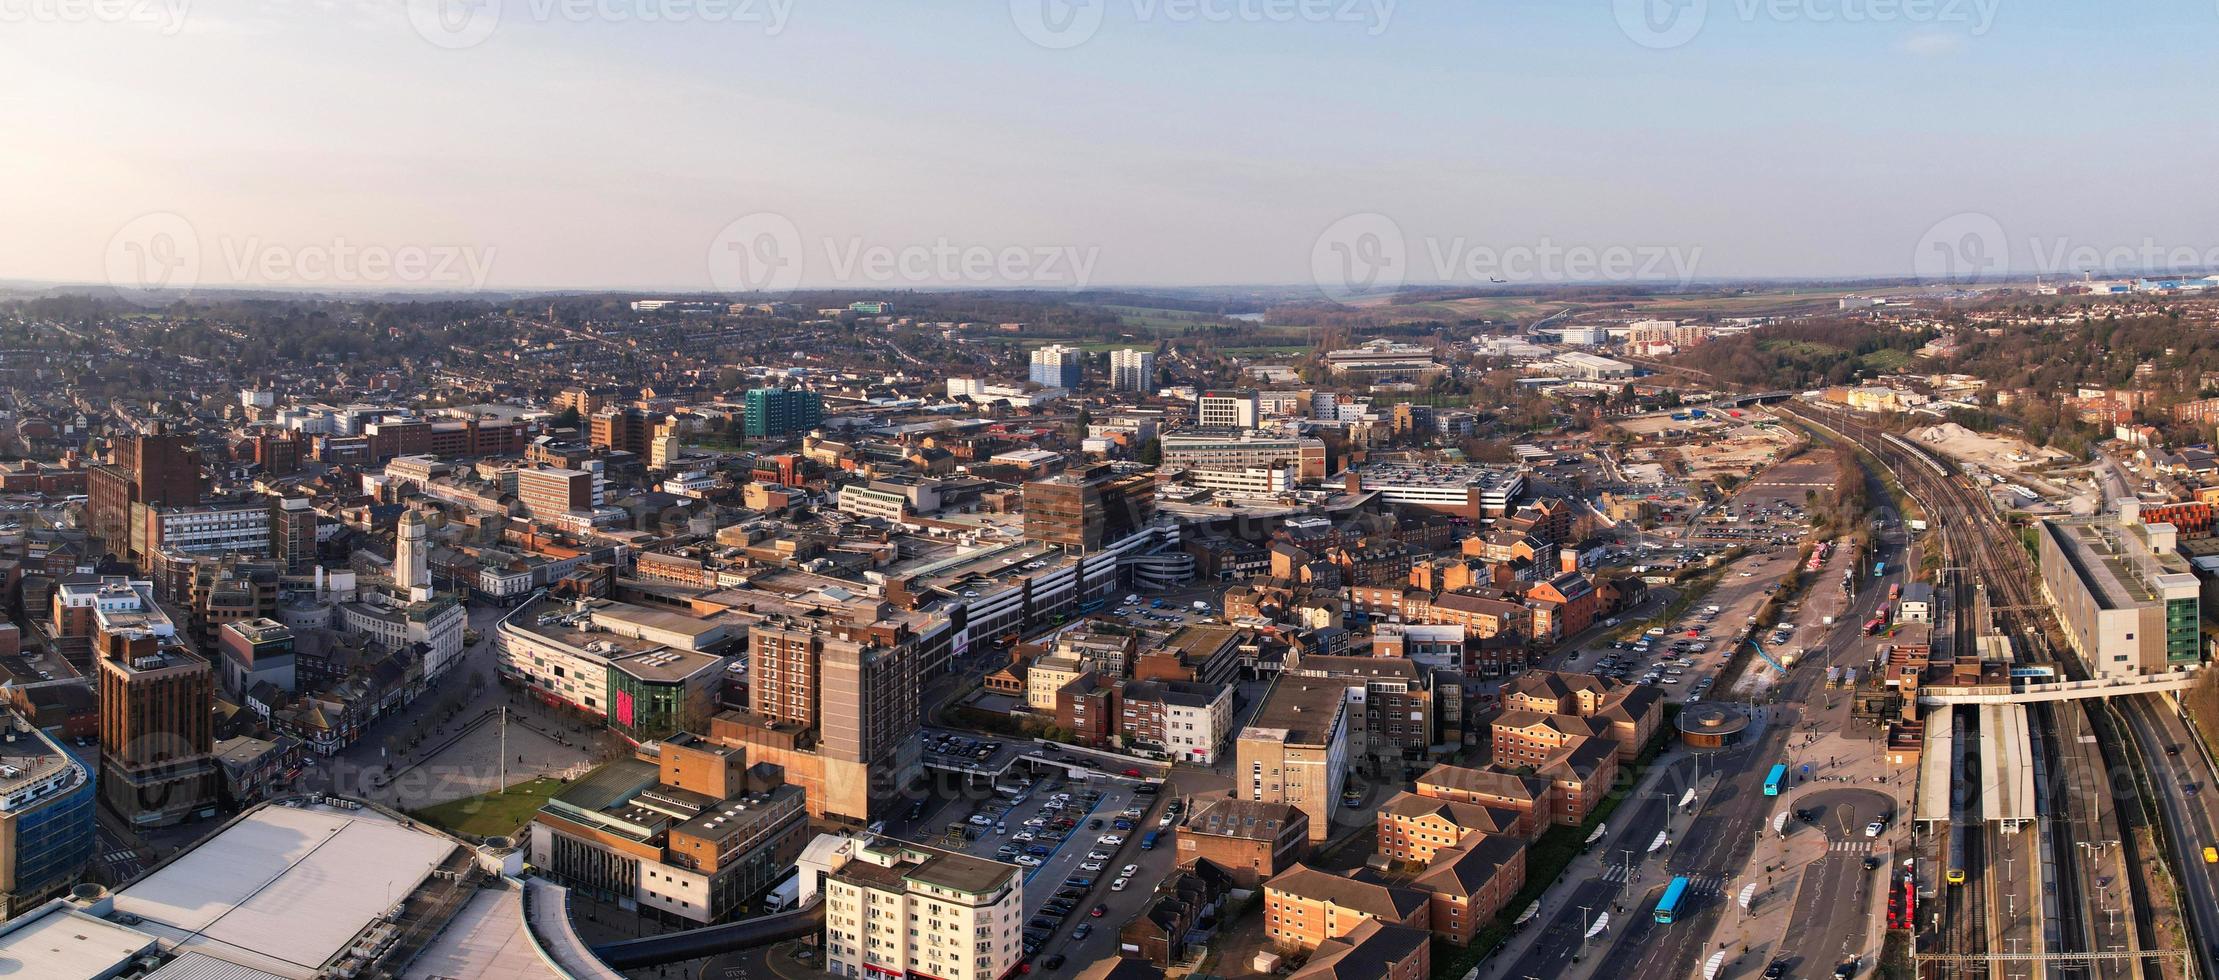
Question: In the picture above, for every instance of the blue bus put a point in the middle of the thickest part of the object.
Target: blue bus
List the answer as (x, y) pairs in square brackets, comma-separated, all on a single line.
[(1879, 569), (1148, 841), (1776, 779), (1669, 905)]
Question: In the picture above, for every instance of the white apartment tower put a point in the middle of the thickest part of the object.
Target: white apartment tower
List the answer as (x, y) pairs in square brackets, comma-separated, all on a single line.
[(1132, 370), (895, 909)]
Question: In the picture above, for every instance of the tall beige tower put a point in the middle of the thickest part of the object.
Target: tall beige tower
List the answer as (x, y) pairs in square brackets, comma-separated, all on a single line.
[(412, 554)]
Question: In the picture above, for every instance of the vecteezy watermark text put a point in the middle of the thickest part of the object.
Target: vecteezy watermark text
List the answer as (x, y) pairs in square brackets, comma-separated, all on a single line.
[(1971, 246), (468, 23), (1368, 255), (766, 253), (158, 256), (165, 16), (1672, 23), (1069, 23)]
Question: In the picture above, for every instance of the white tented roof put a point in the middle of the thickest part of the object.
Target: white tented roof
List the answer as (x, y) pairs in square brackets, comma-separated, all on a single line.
[(1935, 778), (2006, 765)]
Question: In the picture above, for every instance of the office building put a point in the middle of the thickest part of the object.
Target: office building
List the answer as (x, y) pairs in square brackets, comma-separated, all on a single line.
[(1590, 367), (293, 533), (161, 469), (1295, 750), (156, 699), (626, 430), (2127, 599), (232, 528), (1227, 410), (1086, 509), (771, 412), (1385, 361), (1473, 491), (856, 685), (1231, 451), (1133, 370), (46, 817), (255, 651), (547, 492), (896, 909), (683, 829), (1392, 717), (1058, 366)]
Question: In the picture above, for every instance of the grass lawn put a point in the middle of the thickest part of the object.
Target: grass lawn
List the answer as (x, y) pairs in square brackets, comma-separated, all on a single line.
[(492, 814)]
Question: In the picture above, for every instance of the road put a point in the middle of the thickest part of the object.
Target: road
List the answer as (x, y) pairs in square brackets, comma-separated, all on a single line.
[(2189, 821), (1832, 899), (1566, 916), (1716, 848)]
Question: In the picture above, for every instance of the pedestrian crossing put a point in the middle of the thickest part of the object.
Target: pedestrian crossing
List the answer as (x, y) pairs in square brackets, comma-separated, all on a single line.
[(119, 857), (1851, 846), (1703, 884)]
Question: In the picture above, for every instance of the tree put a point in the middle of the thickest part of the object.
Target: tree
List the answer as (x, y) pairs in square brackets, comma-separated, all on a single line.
[(1151, 452)]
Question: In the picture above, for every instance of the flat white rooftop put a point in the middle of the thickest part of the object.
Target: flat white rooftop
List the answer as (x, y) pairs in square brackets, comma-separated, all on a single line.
[(67, 944), (284, 890)]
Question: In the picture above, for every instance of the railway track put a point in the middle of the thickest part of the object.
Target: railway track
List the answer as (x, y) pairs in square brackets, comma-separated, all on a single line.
[(1993, 590)]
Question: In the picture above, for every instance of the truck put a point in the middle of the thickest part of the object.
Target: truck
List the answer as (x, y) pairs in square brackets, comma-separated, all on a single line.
[(784, 896)]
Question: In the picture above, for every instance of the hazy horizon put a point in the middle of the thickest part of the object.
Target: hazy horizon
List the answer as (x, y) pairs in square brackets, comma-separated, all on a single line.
[(579, 147)]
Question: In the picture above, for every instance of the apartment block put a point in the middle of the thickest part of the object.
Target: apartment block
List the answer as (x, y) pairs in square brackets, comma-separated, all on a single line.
[(1305, 907), (897, 909), (1414, 828)]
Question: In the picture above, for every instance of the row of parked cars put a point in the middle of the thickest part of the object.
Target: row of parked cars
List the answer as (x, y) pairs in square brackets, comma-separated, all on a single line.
[(1072, 894), (963, 746)]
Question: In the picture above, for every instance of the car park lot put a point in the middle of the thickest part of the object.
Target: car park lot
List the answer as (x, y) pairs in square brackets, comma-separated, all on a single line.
[(1683, 657), (1056, 829)]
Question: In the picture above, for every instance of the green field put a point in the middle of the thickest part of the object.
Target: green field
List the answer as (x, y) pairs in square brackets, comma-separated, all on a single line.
[(1801, 349), (492, 814), (1161, 321), (1886, 361)]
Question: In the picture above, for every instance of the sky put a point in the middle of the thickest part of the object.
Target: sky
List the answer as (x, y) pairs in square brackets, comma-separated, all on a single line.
[(775, 144)]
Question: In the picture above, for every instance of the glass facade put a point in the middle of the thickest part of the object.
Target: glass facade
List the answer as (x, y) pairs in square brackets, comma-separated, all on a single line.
[(642, 710), (2182, 641), (53, 843)]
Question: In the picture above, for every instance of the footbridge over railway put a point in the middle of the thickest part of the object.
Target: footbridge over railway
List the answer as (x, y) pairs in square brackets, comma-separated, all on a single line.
[(2025, 690)]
